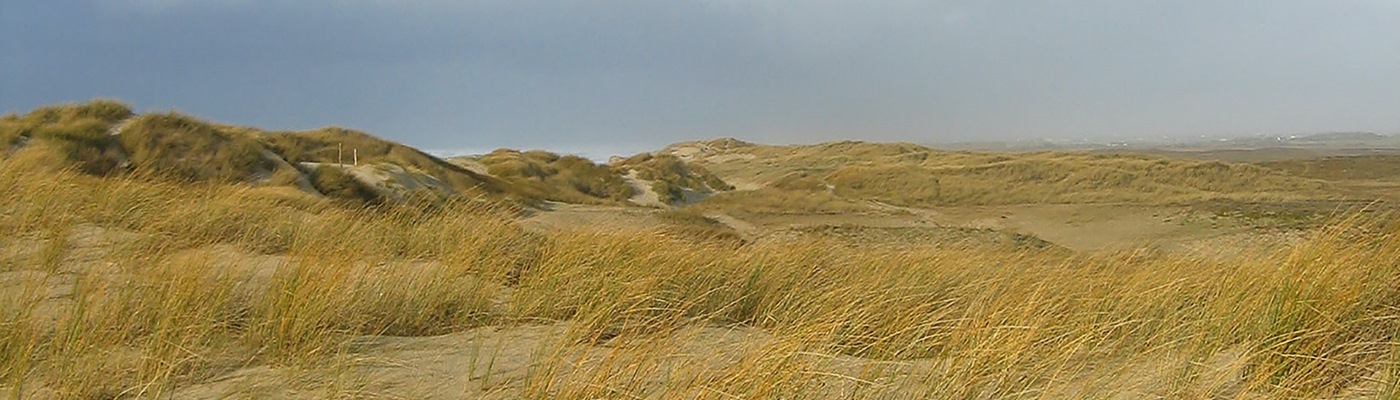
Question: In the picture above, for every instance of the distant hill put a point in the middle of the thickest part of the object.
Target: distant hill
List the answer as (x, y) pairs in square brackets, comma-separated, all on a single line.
[(105, 137), (841, 176), (1332, 143)]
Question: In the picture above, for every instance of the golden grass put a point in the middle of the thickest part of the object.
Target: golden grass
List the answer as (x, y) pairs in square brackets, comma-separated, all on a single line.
[(207, 278), (911, 175), (548, 176), (72, 134), (109, 111), (796, 193), (165, 308), (87, 137), (693, 225), (331, 145), (1069, 178), (186, 148)]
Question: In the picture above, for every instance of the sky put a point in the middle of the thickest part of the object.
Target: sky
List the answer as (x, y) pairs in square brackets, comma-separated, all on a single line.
[(620, 77)]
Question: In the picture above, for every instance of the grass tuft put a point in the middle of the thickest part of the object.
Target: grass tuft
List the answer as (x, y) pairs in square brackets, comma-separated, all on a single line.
[(123, 286)]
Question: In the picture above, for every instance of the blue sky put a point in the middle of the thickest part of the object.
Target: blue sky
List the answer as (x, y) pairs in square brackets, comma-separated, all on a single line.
[(626, 76)]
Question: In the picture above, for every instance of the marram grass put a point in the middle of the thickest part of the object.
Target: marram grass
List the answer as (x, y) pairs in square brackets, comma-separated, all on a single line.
[(132, 287)]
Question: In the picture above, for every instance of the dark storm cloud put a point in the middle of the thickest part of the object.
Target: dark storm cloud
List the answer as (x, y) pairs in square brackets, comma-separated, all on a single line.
[(630, 75)]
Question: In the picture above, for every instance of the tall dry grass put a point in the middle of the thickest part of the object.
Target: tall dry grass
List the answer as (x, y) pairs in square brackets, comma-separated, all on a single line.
[(136, 287), (207, 276)]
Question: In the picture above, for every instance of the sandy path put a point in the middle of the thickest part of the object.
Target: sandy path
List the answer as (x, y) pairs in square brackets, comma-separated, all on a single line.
[(642, 194), (494, 362)]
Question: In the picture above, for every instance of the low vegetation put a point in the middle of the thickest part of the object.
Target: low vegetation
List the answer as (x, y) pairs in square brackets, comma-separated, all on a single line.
[(1069, 178), (334, 182), (106, 138), (309, 279), (858, 236), (671, 177), (75, 135), (1365, 167), (911, 175), (185, 148), (154, 280), (695, 226), (344, 146), (549, 176), (779, 201), (799, 192)]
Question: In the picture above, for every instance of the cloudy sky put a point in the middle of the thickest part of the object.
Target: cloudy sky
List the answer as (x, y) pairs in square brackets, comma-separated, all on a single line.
[(623, 76)]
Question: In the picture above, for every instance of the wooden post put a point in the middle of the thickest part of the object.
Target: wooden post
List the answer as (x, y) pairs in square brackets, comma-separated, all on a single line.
[(340, 154), (356, 153)]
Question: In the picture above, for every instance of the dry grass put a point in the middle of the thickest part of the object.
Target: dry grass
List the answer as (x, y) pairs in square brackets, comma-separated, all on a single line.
[(1368, 167), (548, 176), (74, 135), (88, 137), (186, 148), (693, 225), (334, 182), (671, 176), (912, 175), (334, 145), (769, 201), (165, 308), (208, 278), (796, 193), (1069, 178), (139, 285)]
